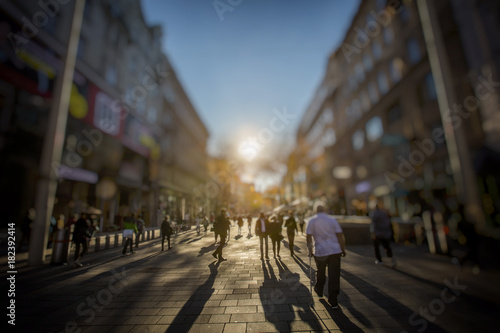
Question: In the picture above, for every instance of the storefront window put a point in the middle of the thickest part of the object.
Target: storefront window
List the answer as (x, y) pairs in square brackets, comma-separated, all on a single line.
[(374, 129)]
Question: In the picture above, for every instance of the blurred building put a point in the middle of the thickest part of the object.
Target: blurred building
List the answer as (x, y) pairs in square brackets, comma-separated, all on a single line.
[(374, 131), (133, 142)]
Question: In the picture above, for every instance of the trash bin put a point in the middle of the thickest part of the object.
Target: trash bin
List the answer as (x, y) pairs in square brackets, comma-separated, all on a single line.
[(60, 248)]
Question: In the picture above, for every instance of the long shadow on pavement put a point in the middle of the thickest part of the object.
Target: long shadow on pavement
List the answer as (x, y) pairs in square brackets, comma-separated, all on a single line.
[(280, 295), (383, 301), (187, 316)]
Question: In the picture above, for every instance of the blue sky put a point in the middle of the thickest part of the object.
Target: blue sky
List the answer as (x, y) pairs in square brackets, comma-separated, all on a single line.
[(264, 55)]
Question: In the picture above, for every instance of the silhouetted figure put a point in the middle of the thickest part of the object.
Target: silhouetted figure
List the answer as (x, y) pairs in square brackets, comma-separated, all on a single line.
[(166, 232), (329, 246), (381, 233), (81, 234), (221, 227), (130, 227), (291, 229), (141, 226), (249, 221), (275, 235), (262, 230)]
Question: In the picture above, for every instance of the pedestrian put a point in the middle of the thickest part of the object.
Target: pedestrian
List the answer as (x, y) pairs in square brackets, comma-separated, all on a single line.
[(381, 233), (166, 232), (329, 246), (130, 227), (81, 235), (249, 221), (198, 224), (205, 224), (214, 228), (291, 229), (301, 223), (262, 230), (275, 235), (26, 227), (240, 224), (221, 226), (141, 225)]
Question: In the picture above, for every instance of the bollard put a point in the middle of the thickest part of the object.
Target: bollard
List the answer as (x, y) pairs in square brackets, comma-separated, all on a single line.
[(153, 234), (97, 244), (60, 248), (116, 241), (143, 237), (106, 245), (148, 235)]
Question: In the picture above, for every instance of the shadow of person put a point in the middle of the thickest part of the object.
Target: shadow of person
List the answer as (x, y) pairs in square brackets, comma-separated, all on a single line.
[(340, 319), (279, 300), (187, 315), (207, 249), (308, 269)]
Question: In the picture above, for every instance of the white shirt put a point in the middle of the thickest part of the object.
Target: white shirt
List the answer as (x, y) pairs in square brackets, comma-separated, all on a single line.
[(324, 228)]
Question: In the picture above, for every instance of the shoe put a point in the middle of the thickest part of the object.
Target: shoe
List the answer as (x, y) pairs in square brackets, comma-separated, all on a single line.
[(261, 258), (320, 294), (214, 255), (133, 252), (279, 256), (267, 257), (334, 304), (378, 262), (222, 259), (169, 247)]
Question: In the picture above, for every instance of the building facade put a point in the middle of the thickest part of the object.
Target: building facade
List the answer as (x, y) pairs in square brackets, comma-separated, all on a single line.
[(375, 131), (133, 143)]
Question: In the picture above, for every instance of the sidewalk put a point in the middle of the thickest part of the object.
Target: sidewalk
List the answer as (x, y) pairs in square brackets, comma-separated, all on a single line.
[(186, 290)]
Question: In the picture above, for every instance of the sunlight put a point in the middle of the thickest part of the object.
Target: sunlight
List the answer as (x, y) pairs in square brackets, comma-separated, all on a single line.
[(249, 149)]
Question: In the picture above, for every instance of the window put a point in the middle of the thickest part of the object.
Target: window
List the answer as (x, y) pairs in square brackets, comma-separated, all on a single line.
[(358, 139), (367, 62), (373, 93), (374, 129), (383, 84), (111, 76), (394, 113), (380, 4), (414, 53), (360, 73), (327, 116), (388, 35), (376, 50), (365, 101), (329, 138), (405, 14), (396, 70)]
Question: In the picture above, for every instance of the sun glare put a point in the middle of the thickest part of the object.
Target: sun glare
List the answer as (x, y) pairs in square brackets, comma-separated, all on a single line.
[(249, 149)]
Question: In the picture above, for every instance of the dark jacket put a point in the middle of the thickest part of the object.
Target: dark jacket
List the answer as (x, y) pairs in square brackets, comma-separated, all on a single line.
[(221, 225), (291, 225), (258, 227), (381, 224), (81, 231), (166, 229)]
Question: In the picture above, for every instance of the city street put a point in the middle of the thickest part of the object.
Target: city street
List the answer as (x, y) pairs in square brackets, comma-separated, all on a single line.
[(185, 289)]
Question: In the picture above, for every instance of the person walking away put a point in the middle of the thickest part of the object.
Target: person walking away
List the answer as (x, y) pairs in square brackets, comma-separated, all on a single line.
[(275, 235), (130, 227), (81, 234), (166, 232), (291, 229), (249, 221), (205, 224), (215, 229), (301, 223), (381, 233), (329, 247), (221, 227), (240, 224), (262, 230), (141, 225)]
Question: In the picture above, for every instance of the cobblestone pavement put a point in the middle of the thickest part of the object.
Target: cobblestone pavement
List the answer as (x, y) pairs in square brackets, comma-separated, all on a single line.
[(185, 290)]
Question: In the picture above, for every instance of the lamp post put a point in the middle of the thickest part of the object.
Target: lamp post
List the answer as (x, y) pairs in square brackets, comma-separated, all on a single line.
[(53, 143)]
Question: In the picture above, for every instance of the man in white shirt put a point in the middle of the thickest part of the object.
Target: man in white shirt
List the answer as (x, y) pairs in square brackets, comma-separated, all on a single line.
[(329, 246)]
